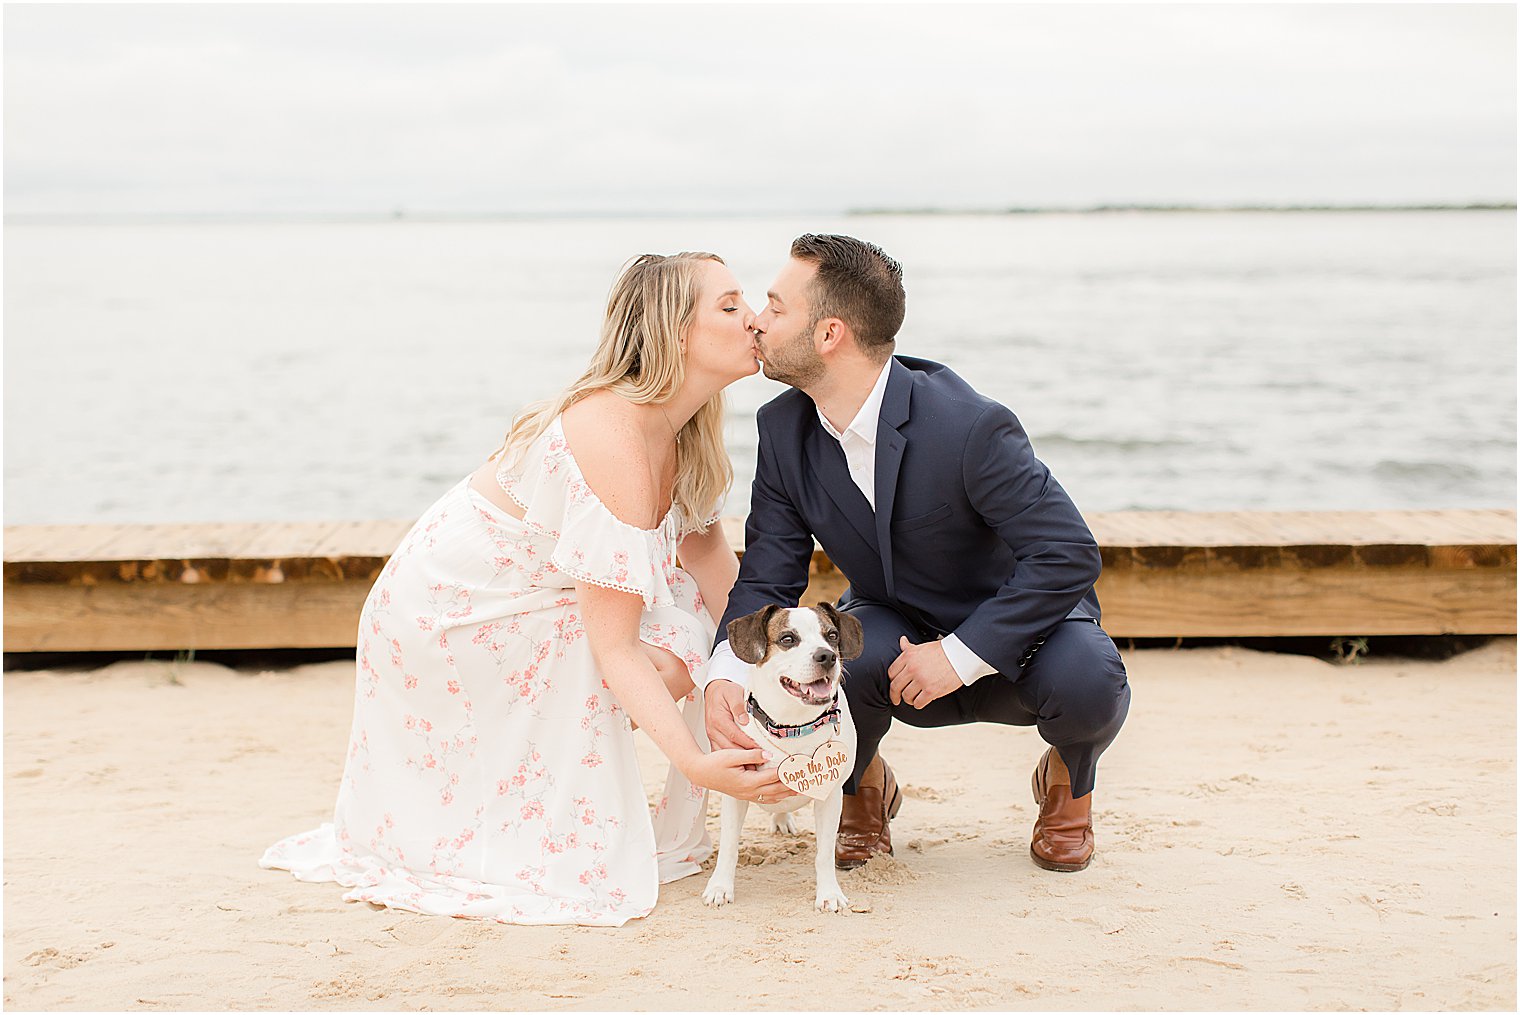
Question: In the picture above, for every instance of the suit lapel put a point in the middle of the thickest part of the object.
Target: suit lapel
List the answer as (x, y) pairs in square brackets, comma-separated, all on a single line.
[(828, 463), (890, 445)]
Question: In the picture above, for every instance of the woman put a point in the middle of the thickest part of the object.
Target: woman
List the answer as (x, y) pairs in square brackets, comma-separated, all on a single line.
[(532, 617)]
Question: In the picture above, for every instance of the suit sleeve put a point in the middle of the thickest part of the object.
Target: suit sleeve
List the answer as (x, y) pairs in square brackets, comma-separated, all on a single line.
[(778, 545), (1056, 559)]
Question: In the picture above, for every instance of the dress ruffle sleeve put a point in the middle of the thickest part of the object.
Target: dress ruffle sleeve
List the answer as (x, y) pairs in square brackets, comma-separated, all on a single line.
[(688, 526), (591, 544)]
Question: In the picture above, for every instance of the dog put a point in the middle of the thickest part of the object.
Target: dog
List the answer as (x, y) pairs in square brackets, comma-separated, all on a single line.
[(796, 709)]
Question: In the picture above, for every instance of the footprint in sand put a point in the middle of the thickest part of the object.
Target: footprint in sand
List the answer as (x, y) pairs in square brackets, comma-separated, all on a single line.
[(774, 852), (1138, 920), (55, 958), (928, 793), (345, 986), (925, 843), (418, 932)]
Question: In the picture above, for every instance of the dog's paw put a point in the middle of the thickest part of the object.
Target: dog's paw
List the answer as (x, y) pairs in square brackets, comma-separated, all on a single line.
[(831, 900), (718, 893), (782, 824)]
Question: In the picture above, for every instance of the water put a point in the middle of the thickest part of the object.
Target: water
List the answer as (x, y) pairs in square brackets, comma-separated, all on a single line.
[(1194, 361)]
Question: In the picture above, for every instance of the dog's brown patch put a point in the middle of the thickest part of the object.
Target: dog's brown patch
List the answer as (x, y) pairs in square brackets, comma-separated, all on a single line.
[(852, 639), (753, 637)]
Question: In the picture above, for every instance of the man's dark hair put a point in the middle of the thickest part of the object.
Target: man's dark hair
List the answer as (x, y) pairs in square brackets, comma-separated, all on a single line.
[(859, 284)]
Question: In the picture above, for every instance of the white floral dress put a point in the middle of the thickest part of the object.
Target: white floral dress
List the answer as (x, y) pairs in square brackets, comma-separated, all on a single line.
[(490, 772)]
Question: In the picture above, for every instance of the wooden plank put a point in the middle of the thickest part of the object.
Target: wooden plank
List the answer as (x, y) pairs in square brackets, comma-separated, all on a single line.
[(358, 539), (21, 540), (381, 537), (125, 617), (1332, 601), (1242, 574), (59, 542), (181, 542), (55, 543), (1480, 526), (1159, 530), (1291, 528), (198, 554), (284, 540), (1136, 603)]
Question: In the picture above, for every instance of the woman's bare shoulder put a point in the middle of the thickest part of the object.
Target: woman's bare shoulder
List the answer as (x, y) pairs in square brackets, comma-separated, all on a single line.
[(607, 444), (604, 422)]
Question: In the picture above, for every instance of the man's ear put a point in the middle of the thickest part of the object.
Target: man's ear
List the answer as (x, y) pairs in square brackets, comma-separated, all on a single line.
[(747, 636), (829, 335), (852, 637)]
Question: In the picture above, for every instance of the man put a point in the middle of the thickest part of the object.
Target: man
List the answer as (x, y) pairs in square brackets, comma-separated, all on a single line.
[(970, 569)]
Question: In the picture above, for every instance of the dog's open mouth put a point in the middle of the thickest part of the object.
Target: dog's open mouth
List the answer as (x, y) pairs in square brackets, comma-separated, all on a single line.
[(819, 692)]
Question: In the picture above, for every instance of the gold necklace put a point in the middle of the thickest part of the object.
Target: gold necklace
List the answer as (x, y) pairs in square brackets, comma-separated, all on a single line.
[(673, 431)]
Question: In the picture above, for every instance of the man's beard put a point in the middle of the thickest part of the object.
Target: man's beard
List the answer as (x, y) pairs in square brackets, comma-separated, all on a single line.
[(799, 364)]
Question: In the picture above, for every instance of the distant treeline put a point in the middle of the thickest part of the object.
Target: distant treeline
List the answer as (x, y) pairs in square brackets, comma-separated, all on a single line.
[(1099, 208), (406, 215)]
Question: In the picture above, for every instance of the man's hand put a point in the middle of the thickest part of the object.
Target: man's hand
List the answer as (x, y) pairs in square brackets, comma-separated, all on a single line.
[(726, 712), (921, 674)]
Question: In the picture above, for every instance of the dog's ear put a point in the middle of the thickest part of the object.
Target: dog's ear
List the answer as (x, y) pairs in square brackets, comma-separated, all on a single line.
[(852, 637), (749, 637)]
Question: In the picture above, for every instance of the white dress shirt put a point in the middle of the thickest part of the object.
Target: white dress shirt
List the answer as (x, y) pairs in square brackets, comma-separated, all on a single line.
[(858, 441)]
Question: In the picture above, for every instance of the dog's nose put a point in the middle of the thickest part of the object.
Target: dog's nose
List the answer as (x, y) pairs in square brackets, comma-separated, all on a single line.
[(824, 657)]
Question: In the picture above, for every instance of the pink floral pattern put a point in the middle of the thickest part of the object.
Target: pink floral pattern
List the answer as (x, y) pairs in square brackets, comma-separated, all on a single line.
[(490, 772)]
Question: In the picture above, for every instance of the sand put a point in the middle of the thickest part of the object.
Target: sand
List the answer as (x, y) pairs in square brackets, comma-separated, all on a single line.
[(1273, 832)]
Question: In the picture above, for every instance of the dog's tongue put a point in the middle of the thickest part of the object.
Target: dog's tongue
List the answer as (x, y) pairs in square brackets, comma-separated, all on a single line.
[(818, 689)]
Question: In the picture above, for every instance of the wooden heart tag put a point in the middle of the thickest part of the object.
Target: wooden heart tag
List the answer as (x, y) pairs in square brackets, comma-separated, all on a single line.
[(816, 776)]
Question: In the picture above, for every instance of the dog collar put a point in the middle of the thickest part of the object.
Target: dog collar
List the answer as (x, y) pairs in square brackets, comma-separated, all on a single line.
[(775, 729)]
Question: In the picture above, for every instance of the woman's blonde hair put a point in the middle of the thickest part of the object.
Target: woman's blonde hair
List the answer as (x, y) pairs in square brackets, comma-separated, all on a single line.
[(651, 306)]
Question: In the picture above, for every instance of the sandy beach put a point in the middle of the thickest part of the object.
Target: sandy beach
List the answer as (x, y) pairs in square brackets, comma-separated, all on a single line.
[(1274, 832)]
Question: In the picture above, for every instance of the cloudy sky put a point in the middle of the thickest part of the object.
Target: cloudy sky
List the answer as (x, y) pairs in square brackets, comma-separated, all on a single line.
[(750, 109)]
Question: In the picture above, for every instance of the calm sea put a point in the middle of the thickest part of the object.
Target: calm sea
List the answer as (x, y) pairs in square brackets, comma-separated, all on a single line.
[(1203, 361)]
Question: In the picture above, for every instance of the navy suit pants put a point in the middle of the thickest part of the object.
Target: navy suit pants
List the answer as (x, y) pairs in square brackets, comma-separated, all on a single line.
[(1073, 689)]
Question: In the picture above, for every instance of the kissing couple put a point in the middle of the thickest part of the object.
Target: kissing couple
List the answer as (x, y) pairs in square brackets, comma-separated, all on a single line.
[(577, 585)]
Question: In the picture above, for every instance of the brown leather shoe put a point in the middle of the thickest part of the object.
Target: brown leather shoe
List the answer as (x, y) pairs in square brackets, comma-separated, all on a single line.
[(863, 825), (1063, 835)]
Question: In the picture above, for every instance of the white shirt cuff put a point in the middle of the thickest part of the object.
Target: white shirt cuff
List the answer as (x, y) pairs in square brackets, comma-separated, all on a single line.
[(966, 663), (724, 665)]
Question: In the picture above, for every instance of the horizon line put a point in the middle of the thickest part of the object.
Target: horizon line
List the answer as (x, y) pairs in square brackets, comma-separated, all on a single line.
[(402, 214)]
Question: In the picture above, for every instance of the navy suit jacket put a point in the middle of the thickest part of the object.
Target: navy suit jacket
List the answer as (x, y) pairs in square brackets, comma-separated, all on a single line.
[(971, 534)]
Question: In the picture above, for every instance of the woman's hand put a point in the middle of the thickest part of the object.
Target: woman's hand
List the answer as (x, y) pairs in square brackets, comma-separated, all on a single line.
[(612, 627), (725, 772)]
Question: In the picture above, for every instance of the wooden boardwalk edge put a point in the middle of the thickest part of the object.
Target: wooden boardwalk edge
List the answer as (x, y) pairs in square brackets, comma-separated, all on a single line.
[(1166, 574)]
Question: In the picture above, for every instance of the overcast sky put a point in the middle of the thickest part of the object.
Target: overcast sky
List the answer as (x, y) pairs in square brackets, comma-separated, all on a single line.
[(709, 108)]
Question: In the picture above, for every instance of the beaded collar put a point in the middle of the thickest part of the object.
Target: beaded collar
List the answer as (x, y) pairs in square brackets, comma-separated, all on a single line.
[(775, 729)]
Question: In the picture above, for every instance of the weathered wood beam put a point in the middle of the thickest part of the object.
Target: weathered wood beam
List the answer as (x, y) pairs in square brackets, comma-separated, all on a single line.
[(1166, 574), (138, 617)]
